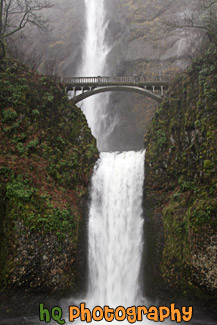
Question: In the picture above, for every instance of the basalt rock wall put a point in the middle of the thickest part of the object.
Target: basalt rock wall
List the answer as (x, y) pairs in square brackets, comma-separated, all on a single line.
[(181, 183), (47, 154)]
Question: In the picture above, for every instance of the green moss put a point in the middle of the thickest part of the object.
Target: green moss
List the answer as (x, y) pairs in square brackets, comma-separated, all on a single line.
[(161, 138), (47, 153), (182, 177), (9, 115), (18, 190), (208, 164), (35, 112)]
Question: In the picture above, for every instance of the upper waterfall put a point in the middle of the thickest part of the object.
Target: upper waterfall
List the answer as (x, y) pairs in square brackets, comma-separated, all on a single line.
[(95, 51), (95, 48)]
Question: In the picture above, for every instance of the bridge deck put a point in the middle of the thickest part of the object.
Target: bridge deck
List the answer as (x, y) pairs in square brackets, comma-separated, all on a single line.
[(111, 81)]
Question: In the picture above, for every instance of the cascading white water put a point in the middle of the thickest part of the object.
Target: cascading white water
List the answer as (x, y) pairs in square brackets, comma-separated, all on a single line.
[(116, 229), (115, 232), (95, 48), (115, 224), (94, 64)]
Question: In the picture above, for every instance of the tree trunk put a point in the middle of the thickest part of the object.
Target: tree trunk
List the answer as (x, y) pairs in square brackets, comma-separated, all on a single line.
[(2, 44), (2, 49), (1, 18)]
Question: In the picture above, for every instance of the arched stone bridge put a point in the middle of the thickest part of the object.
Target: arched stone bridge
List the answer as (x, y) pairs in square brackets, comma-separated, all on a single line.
[(84, 87)]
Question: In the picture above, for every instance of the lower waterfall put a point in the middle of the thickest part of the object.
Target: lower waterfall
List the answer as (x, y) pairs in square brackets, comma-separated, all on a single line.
[(115, 234)]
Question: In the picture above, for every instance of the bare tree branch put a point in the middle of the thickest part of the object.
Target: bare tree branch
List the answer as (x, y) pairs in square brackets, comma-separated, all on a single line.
[(204, 19), (16, 14), (209, 3)]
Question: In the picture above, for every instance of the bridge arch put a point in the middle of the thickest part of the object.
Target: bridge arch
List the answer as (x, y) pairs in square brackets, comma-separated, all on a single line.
[(93, 91)]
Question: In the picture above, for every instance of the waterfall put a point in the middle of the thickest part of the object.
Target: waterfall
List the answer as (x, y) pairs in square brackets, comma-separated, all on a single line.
[(116, 229), (94, 64), (115, 216)]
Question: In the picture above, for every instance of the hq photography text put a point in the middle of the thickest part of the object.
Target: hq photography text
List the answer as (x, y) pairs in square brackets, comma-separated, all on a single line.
[(131, 314)]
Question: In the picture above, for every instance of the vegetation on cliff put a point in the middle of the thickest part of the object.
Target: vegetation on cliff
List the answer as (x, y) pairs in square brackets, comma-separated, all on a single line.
[(46, 156), (181, 179)]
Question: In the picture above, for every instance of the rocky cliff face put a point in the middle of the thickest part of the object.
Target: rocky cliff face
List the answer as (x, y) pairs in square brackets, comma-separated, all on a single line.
[(47, 154), (142, 43), (146, 39), (181, 182)]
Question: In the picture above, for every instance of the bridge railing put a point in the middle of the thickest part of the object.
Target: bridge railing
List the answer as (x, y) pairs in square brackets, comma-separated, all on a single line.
[(112, 80), (115, 80)]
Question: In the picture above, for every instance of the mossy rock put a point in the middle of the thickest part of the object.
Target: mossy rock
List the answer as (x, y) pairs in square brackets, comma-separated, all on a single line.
[(47, 154), (181, 164)]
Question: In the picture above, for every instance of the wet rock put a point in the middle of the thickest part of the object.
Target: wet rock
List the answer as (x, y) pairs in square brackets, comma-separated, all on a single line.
[(185, 190)]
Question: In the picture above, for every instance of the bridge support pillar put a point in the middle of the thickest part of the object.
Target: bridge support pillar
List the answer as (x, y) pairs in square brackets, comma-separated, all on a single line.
[(162, 91)]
